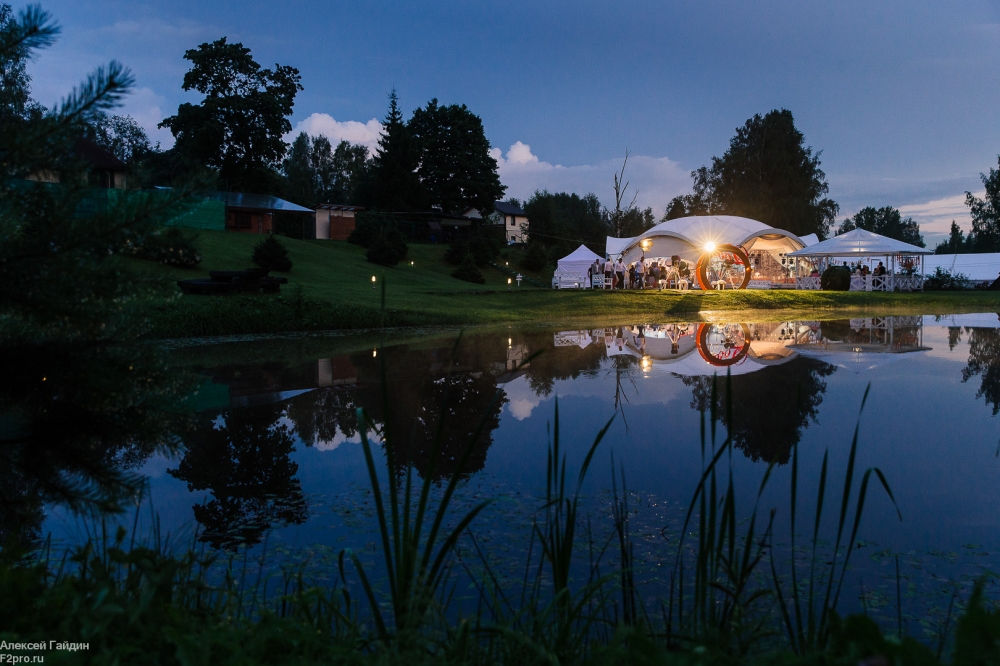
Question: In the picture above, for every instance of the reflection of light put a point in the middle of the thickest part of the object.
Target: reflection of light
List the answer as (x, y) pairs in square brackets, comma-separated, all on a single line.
[(509, 342), (646, 362), (709, 246)]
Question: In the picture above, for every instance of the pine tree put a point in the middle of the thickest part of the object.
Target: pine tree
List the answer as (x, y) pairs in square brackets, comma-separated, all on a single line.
[(396, 186)]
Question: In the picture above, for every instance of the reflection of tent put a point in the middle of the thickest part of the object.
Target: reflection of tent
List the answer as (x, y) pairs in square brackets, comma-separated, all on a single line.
[(572, 339), (573, 267), (855, 361)]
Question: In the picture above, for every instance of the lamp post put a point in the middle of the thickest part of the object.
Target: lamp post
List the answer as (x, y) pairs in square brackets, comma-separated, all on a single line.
[(508, 284), (373, 282)]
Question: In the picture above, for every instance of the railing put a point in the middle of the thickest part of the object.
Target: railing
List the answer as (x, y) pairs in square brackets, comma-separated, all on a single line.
[(909, 282), (887, 283), (809, 283)]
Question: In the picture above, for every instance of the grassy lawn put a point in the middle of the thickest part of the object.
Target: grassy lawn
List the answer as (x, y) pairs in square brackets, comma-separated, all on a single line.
[(336, 292)]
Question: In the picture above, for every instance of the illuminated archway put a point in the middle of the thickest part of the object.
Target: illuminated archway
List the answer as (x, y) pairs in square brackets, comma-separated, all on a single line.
[(727, 265)]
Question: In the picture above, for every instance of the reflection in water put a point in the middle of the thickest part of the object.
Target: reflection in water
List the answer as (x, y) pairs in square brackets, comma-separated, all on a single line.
[(984, 362), (242, 457), (75, 422)]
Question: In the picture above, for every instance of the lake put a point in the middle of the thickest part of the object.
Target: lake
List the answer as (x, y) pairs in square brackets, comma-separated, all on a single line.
[(273, 458)]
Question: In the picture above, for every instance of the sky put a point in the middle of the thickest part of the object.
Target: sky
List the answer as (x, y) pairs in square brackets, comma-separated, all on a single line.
[(901, 97)]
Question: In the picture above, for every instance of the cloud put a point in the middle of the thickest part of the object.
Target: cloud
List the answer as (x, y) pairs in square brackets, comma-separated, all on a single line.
[(336, 131), (656, 180), (145, 106), (935, 216)]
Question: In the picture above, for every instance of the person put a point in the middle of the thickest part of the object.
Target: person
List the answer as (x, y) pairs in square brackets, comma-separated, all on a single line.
[(620, 273), (814, 273), (640, 272), (631, 276), (880, 269), (609, 268)]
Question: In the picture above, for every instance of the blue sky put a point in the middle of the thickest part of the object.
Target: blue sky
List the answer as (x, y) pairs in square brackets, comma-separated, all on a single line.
[(901, 97)]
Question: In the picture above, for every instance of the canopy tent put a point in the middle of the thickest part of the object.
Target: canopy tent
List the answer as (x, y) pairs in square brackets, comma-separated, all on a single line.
[(572, 269), (860, 243), (977, 267)]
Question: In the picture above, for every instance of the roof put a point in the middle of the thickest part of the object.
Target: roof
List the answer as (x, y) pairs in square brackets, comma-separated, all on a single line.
[(582, 253), (985, 266), (257, 202), (508, 208), (98, 157), (329, 206), (698, 230), (859, 243)]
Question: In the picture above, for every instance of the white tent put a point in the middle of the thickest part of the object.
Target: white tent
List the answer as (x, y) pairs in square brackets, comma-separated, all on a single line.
[(572, 269), (860, 243), (977, 267)]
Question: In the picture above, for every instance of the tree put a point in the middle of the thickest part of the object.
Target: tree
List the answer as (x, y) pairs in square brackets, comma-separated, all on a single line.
[(885, 221), (769, 174), (317, 173), (628, 221), (562, 221), (121, 136), (395, 184), (454, 164), (15, 82), (685, 205), (986, 213), (957, 243), (238, 127)]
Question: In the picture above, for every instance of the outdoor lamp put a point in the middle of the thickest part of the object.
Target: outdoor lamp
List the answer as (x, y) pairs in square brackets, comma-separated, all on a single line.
[(709, 246), (374, 353), (508, 284), (373, 282)]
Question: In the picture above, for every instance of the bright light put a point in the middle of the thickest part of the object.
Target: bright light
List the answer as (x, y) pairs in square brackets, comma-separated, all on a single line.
[(411, 263), (709, 246), (374, 353)]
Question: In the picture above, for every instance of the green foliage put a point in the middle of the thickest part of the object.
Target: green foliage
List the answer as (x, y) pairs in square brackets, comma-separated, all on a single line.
[(836, 278), (455, 167), (318, 173), (945, 280), (563, 221), (271, 255), (483, 251), (768, 174), (986, 213), (468, 271), (957, 243), (238, 127), (395, 185), (458, 249), (121, 136), (536, 258), (169, 246), (388, 249), (16, 105), (365, 233), (885, 221)]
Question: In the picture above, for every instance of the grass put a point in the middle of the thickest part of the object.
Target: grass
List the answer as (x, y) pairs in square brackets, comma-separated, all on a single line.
[(330, 288)]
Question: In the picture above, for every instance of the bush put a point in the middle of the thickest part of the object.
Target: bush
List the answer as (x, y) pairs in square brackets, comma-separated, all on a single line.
[(836, 278), (944, 280), (271, 255), (536, 258), (169, 246), (468, 271), (457, 251), (388, 249), (365, 234)]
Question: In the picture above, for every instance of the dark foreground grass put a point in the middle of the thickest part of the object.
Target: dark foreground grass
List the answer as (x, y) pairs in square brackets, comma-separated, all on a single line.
[(144, 603), (330, 288)]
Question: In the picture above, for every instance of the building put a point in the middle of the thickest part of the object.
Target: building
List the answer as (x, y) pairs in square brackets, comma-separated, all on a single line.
[(336, 221), (511, 218), (255, 213), (104, 170)]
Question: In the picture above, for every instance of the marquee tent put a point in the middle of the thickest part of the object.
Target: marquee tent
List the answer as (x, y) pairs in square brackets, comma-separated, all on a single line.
[(982, 267), (571, 270), (860, 243)]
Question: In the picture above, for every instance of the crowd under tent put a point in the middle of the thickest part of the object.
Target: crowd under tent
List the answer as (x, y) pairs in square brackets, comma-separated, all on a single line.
[(904, 263), (725, 251), (572, 270)]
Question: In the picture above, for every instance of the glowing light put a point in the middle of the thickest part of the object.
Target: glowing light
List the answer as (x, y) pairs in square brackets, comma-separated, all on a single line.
[(411, 263), (709, 246), (373, 282), (374, 353)]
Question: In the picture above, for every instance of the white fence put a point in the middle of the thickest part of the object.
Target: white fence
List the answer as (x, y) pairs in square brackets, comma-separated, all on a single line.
[(871, 283)]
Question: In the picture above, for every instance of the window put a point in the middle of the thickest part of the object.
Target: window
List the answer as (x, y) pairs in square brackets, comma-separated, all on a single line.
[(243, 220)]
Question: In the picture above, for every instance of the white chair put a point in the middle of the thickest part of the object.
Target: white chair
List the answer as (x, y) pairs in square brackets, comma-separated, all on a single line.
[(683, 284)]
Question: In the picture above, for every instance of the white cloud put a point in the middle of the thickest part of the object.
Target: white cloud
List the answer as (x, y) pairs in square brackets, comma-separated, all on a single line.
[(336, 131), (146, 107), (935, 216), (657, 180)]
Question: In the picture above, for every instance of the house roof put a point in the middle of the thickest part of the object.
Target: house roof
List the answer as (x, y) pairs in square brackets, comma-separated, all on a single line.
[(508, 208), (98, 157), (257, 202), (329, 206)]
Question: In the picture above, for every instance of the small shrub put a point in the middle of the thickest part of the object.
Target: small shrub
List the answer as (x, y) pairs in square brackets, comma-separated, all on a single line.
[(397, 240), (836, 278), (385, 253), (365, 234), (169, 246), (457, 251), (536, 258), (271, 255), (944, 280), (468, 271)]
